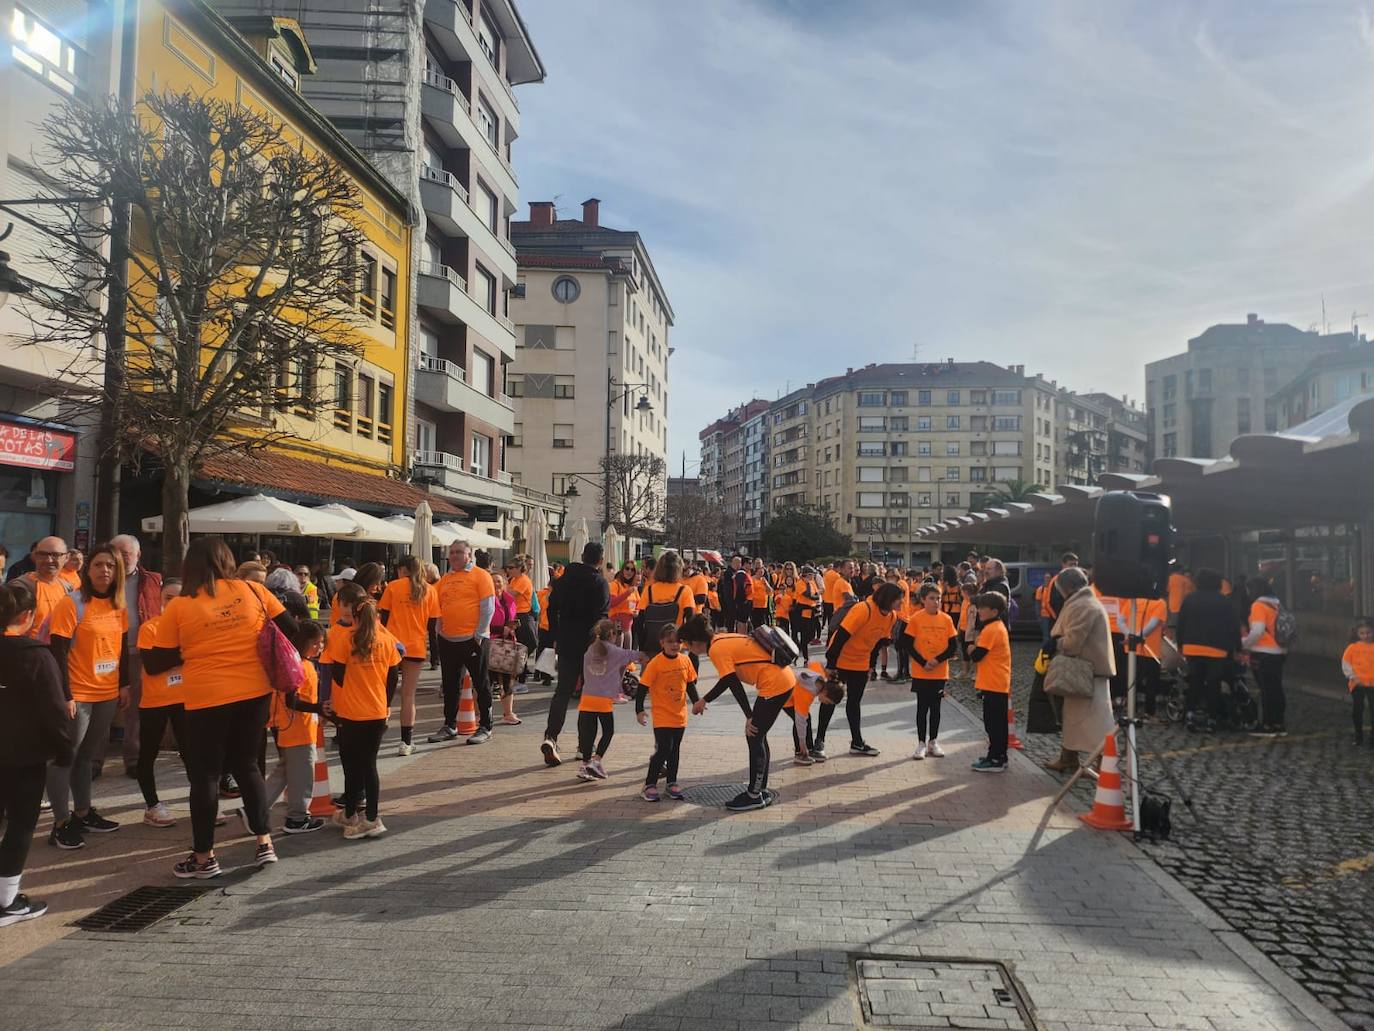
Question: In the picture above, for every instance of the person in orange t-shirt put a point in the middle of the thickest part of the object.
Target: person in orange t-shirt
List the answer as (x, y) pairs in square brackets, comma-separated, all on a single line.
[(409, 609), (296, 727), (811, 684), (71, 572), (603, 670), (933, 642), (159, 706), (364, 668), (46, 583), (88, 638), (849, 655), (211, 631), (625, 595), (526, 618), (991, 656), (1357, 663), (1145, 639), (669, 682), (467, 601)]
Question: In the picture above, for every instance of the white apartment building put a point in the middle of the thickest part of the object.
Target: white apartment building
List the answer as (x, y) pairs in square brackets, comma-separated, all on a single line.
[(590, 377)]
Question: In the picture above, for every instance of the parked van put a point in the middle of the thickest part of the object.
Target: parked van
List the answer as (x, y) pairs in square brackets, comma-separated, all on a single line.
[(1025, 578)]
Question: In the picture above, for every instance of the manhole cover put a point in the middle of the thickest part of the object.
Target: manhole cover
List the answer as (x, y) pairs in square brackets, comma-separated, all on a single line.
[(902, 992), (713, 795), (141, 908)]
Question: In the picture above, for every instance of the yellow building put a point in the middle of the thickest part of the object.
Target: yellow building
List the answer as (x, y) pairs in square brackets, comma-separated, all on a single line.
[(349, 446)]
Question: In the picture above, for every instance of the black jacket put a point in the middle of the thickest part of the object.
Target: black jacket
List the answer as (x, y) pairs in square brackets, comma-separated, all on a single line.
[(577, 601), (34, 726), (1208, 618)]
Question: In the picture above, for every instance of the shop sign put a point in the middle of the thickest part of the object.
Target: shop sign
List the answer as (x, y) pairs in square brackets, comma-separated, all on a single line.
[(34, 447)]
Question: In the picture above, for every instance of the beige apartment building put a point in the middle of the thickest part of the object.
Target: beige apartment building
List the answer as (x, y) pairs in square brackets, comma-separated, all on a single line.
[(1325, 383), (590, 376), (1095, 434)]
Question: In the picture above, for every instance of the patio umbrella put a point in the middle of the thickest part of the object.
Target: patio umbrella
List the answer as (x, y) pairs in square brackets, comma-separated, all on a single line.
[(440, 537), (578, 540), (475, 538), (261, 514), (422, 540), (539, 556), (611, 540), (367, 527)]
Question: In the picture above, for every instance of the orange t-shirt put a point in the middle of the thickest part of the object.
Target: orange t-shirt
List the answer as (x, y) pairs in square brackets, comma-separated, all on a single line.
[(1146, 609), (994, 669), (543, 593), (71, 578), (362, 695), (712, 595), (218, 638), (1359, 656), (697, 583), (762, 589), (159, 689), (1268, 615), (97, 643), (663, 592), (1180, 586), (930, 636), (782, 601), (667, 681), (460, 596), (595, 703), (805, 598), (628, 604), (409, 619), (828, 585), (47, 596), (1115, 609), (740, 655), (839, 589), (297, 728), (867, 626), (523, 588)]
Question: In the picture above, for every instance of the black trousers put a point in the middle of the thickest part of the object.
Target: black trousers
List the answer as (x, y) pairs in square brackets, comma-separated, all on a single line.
[(153, 725), (803, 632), (359, 742), (928, 695), (1359, 698), (1147, 683), (667, 748), (901, 644), (457, 657), (855, 682), (225, 738), (570, 658), (1204, 683), (766, 712), (587, 722), (1268, 670), (1119, 683), (995, 725), (21, 793), (758, 617)]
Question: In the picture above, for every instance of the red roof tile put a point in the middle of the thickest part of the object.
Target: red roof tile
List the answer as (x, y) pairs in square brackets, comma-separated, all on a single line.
[(534, 259), (300, 479)]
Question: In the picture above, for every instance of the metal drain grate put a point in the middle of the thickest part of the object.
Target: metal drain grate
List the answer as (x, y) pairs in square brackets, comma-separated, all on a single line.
[(141, 908), (712, 795), (937, 992)]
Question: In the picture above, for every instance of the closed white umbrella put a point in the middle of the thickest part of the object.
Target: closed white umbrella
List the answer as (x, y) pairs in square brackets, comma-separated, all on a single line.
[(368, 527), (539, 555), (578, 540), (261, 514), (475, 538), (422, 540), (611, 541), (440, 537)]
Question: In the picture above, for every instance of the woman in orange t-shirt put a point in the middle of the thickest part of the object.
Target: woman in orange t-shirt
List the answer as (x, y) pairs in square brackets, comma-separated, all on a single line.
[(365, 666), (625, 601), (212, 632), (410, 610), (89, 631)]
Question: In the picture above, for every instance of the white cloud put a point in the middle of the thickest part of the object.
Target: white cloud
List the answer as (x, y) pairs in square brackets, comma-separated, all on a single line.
[(1073, 186)]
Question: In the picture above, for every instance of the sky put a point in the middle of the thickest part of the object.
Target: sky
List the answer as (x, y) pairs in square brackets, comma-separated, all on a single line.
[(1078, 187)]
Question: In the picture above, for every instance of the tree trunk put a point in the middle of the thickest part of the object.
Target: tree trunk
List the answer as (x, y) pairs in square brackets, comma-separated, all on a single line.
[(176, 519)]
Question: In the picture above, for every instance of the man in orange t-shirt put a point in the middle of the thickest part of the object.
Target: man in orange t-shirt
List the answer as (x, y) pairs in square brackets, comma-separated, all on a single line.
[(45, 581), (467, 601)]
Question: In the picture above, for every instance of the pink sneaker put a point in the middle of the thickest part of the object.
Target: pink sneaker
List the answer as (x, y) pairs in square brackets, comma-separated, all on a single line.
[(596, 769)]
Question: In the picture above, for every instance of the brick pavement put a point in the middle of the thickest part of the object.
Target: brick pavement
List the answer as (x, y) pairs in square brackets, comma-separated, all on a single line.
[(510, 895)]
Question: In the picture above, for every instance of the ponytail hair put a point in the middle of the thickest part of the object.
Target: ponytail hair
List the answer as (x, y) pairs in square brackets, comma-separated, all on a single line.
[(414, 571), (15, 600), (602, 632), (359, 602)]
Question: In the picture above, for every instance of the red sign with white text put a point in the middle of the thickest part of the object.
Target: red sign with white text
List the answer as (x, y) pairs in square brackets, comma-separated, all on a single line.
[(34, 447)]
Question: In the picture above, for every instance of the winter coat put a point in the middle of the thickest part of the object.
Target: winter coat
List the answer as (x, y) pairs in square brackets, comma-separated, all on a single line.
[(1083, 631), (34, 725)]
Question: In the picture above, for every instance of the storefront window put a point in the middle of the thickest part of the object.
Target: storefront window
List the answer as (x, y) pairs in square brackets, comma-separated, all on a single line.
[(28, 508)]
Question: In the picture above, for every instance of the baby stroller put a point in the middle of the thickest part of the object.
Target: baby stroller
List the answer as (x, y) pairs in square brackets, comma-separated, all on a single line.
[(1238, 706)]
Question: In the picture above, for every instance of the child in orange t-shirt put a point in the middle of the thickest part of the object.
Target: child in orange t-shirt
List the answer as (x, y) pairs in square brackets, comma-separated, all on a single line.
[(602, 669), (295, 725), (811, 684), (159, 706), (669, 680), (991, 656), (1358, 665)]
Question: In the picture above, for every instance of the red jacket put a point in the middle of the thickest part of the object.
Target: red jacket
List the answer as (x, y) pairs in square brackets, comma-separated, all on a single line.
[(149, 594)]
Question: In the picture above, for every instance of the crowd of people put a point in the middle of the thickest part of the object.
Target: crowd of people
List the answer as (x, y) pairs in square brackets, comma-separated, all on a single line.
[(233, 654)]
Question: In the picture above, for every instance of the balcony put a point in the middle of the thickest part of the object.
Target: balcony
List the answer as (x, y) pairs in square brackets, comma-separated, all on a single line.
[(452, 24), (444, 294), (448, 206), (452, 118), (444, 385), (445, 470)]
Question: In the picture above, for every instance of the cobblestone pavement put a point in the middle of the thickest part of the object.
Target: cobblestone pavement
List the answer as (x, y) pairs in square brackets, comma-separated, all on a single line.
[(511, 895), (1283, 843)]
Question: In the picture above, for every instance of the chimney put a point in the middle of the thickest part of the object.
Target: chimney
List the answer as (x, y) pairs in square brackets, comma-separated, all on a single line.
[(591, 212), (542, 213), (1251, 319)]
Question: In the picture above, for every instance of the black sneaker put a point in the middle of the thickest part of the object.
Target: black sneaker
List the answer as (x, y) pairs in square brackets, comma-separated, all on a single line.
[(744, 802), (310, 823), (67, 834), (550, 750), (93, 821), (265, 854), (769, 797), (21, 909), (192, 868), (884, 676), (228, 787), (444, 733), (862, 748)]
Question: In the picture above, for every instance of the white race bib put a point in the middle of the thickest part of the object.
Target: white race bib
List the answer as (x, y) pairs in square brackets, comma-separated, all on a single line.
[(173, 679), (104, 667)]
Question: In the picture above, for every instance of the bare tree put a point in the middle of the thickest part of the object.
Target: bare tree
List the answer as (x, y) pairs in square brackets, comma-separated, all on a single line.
[(243, 275), (638, 493), (694, 520)]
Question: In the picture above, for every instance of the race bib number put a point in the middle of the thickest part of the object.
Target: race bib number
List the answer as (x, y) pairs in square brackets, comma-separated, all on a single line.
[(173, 679), (104, 667)]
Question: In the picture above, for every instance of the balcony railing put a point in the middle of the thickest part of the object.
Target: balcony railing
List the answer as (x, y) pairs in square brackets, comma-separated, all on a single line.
[(454, 371), (437, 271), (439, 460), (439, 80), (438, 175)]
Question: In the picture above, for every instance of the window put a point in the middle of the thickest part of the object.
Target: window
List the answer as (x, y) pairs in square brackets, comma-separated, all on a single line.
[(343, 397), (951, 474), (898, 448), (482, 371), (872, 449), (872, 424), (515, 386), (897, 399), (870, 474), (923, 448), (1243, 415), (488, 39), (923, 422), (517, 435), (562, 434), (867, 500), (978, 448), (487, 122), (566, 289), (366, 385), (952, 448), (283, 68), (923, 397), (872, 399), (564, 387), (481, 456), (899, 500), (559, 484), (1170, 445), (952, 497), (1271, 416), (951, 397), (388, 299), (923, 474), (977, 397), (978, 474), (1170, 417), (1006, 447), (1006, 423), (425, 435), (1170, 387), (951, 422), (1005, 473), (869, 524), (1204, 381), (384, 407), (897, 474), (491, 209), (1243, 377), (367, 288), (978, 423), (486, 290), (43, 52), (1006, 397), (897, 423)]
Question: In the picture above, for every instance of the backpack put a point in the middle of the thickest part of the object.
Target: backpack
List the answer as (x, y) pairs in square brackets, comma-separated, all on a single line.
[(779, 645), (1285, 627), (655, 616)]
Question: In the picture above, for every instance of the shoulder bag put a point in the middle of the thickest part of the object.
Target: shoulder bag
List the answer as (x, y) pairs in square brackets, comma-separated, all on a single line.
[(1070, 677)]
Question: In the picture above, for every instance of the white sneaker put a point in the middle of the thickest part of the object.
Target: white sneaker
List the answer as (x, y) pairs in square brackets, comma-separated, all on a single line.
[(405, 748), (339, 819), (158, 816), (598, 771), (376, 830), (361, 827), (935, 751), (920, 750), (584, 772)]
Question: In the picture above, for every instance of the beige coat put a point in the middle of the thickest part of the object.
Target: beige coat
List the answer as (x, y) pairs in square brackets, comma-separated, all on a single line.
[(1083, 631)]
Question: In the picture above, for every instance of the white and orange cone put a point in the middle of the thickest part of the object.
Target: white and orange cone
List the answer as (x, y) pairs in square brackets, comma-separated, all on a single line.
[(1012, 740), (1109, 805), (321, 798), (467, 709)]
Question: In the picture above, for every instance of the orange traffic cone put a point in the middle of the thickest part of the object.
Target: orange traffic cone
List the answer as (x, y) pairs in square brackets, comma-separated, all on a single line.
[(1012, 740), (1109, 809), (467, 709), (321, 799)]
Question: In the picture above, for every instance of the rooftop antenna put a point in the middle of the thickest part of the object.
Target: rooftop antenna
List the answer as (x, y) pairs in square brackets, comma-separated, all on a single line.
[(1355, 316), (1326, 326)]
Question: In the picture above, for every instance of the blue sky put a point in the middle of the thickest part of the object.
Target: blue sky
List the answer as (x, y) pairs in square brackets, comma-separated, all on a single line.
[(1076, 187)]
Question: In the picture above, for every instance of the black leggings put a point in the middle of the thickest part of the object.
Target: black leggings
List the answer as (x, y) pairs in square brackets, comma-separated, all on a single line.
[(766, 712), (1268, 670), (854, 681), (796, 740), (928, 694), (1359, 697), (587, 723), (995, 724), (667, 747), (21, 793), (359, 742), (152, 725), (803, 632), (225, 738)]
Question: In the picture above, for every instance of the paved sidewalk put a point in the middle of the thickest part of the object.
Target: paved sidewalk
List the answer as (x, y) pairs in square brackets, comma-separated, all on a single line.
[(511, 895)]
